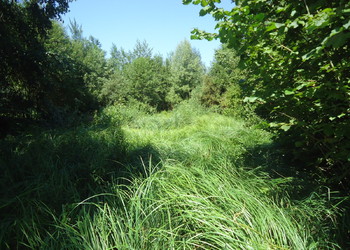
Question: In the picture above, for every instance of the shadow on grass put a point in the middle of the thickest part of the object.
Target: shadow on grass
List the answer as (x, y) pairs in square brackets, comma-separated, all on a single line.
[(142, 158), (44, 175), (270, 158), (278, 164)]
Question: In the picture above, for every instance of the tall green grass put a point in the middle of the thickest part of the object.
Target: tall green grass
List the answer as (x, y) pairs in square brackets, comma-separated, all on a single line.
[(50, 171), (193, 207), (174, 180)]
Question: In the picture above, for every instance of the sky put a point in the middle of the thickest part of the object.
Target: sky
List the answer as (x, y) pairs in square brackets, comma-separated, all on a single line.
[(163, 24)]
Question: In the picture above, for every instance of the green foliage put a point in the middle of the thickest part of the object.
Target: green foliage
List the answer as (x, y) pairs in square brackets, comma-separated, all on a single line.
[(298, 51), (90, 59), (143, 80), (125, 113), (140, 77), (221, 87), (182, 114), (23, 27), (146, 81), (113, 89), (44, 174), (70, 72), (46, 75), (120, 57), (186, 72)]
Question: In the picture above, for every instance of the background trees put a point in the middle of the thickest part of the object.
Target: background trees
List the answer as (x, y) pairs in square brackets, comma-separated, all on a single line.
[(186, 72), (140, 76), (222, 85), (43, 74), (137, 76), (75, 69)]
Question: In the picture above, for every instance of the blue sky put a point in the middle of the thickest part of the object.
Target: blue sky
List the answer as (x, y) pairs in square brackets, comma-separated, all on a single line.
[(162, 23)]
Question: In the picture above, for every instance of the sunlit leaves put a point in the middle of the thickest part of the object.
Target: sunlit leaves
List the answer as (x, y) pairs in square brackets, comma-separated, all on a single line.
[(186, 70), (200, 35), (270, 26), (299, 51)]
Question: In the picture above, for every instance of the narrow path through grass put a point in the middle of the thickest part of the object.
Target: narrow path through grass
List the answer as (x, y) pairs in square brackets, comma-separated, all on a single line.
[(187, 185), (195, 192)]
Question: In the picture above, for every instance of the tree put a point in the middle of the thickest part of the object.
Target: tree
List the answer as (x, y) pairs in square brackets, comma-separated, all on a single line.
[(120, 57), (186, 72), (221, 86), (23, 27), (91, 58), (299, 52), (74, 71), (76, 30), (142, 49), (138, 76), (146, 81)]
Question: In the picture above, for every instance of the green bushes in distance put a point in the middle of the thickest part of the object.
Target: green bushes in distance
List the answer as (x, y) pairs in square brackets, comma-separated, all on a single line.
[(143, 80), (222, 86), (120, 57), (186, 72), (74, 73), (139, 76)]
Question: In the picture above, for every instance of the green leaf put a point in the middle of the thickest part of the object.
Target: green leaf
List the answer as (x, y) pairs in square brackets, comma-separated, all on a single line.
[(312, 53), (299, 87), (272, 26), (285, 127), (289, 92), (273, 125), (186, 2), (347, 25), (205, 10), (250, 99), (337, 40), (341, 115), (204, 3), (259, 17), (294, 24)]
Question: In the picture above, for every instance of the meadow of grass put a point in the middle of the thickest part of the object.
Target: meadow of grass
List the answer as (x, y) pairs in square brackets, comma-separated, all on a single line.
[(185, 179)]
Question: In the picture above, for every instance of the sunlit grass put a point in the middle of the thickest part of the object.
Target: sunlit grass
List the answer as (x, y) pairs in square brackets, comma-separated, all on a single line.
[(184, 185)]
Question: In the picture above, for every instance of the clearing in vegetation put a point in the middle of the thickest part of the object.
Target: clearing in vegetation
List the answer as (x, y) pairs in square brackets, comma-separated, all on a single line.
[(189, 179)]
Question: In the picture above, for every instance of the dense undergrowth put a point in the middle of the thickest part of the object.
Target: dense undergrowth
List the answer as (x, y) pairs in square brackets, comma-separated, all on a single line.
[(187, 179)]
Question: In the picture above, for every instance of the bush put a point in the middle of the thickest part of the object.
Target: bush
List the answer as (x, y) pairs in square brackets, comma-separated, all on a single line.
[(298, 54)]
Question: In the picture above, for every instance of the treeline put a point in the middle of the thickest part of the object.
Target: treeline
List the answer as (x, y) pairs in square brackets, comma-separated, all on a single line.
[(149, 80), (53, 76), (289, 61), (45, 75), (50, 76)]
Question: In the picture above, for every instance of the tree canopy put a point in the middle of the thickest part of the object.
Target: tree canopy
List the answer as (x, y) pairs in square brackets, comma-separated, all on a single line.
[(24, 59), (299, 53), (186, 69)]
